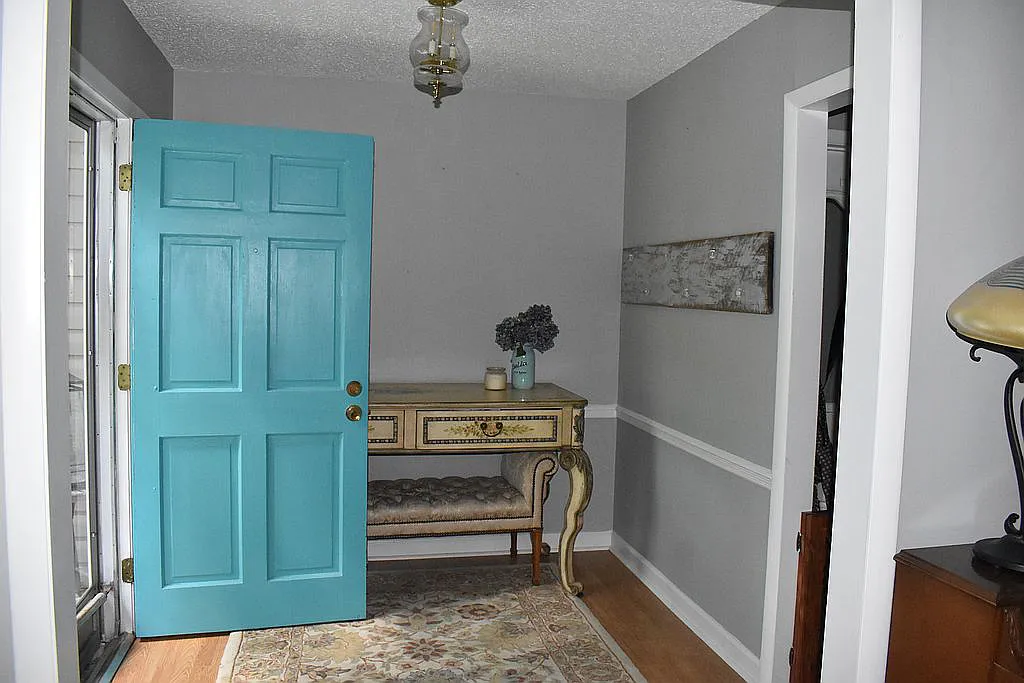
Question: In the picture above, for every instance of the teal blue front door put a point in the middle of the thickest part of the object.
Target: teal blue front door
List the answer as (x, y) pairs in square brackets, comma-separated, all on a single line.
[(250, 259)]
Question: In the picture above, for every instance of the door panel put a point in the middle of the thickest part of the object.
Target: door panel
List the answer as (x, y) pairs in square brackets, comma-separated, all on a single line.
[(199, 308), (308, 185), (200, 180), (199, 509), (250, 307), (305, 318), (304, 471)]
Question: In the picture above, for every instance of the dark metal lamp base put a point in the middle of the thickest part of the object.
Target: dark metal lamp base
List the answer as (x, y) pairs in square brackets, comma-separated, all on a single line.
[(1006, 552)]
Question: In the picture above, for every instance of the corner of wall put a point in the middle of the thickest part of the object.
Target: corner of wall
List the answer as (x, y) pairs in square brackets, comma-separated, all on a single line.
[(112, 53)]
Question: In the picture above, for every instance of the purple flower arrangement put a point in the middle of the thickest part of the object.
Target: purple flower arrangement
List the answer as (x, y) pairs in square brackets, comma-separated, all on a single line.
[(534, 326)]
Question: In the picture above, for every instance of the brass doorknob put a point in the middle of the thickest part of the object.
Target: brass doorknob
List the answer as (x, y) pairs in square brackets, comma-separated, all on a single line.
[(354, 413)]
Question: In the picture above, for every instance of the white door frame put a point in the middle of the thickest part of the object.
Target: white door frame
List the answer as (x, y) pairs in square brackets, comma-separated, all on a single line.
[(112, 234), (800, 258), (37, 578), (122, 413), (100, 92), (876, 352)]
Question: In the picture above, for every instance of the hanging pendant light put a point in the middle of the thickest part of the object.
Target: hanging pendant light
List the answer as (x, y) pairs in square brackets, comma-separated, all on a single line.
[(439, 54)]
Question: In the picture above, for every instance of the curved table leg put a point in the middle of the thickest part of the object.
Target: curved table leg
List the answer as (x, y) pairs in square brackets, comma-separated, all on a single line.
[(576, 462)]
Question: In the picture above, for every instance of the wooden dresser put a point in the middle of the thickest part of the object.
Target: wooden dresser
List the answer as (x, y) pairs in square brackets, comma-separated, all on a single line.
[(955, 619)]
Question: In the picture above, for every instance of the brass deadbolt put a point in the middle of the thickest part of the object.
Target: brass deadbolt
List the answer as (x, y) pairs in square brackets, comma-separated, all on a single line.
[(354, 388)]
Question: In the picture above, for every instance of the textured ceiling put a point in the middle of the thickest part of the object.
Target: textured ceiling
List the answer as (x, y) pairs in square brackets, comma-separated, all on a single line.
[(577, 48)]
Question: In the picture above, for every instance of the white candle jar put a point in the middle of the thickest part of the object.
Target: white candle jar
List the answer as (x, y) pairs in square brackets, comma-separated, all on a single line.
[(495, 379)]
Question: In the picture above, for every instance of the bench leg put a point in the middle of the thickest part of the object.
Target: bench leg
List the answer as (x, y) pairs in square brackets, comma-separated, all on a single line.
[(513, 548), (535, 542)]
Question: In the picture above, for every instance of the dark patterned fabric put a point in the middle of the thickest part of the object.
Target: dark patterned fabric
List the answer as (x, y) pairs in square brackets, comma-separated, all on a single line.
[(824, 460), (447, 499), (837, 234)]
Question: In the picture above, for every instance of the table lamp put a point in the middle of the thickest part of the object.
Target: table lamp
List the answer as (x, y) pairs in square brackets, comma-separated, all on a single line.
[(990, 316)]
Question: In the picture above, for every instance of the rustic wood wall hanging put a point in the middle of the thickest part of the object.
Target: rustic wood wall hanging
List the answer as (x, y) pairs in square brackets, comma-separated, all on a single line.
[(722, 273)]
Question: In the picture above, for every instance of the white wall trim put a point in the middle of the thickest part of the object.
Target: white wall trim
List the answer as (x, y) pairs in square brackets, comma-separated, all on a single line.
[(602, 411), (741, 467), (471, 546), (800, 255), (718, 638), (876, 358)]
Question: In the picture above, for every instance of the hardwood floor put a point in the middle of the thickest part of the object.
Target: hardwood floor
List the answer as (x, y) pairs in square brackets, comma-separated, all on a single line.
[(660, 645), (186, 659)]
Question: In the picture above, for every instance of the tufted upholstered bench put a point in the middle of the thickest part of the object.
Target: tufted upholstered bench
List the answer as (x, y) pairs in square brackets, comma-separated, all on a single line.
[(509, 503)]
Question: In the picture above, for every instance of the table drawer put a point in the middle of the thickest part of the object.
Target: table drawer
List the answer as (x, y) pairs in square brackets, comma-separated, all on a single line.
[(385, 429), (488, 429)]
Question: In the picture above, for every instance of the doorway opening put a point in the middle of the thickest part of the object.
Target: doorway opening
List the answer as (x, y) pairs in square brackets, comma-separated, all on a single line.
[(815, 536), (800, 259)]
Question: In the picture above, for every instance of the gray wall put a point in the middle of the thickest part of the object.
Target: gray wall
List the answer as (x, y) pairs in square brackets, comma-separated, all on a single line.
[(107, 35), (481, 208), (704, 159), (957, 475), (671, 507)]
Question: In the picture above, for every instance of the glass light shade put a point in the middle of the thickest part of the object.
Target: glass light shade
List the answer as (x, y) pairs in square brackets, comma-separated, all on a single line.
[(439, 53)]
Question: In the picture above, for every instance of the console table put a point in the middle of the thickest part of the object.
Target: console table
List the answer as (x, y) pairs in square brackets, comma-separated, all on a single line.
[(440, 418)]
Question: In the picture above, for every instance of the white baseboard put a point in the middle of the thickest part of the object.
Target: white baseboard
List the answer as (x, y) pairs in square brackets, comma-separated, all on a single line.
[(467, 546), (727, 646)]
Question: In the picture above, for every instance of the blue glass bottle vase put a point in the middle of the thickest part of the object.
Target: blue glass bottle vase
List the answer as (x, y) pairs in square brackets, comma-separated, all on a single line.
[(523, 367)]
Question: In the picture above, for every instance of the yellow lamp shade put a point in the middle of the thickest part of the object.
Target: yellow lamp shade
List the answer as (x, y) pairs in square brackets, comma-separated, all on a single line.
[(991, 311)]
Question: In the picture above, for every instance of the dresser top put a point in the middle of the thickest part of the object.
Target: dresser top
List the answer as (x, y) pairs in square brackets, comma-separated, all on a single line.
[(468, 393), (957, 566)]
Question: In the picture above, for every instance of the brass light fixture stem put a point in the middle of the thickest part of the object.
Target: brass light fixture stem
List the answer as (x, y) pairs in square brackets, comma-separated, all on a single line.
[(436, 85), (438, 64), (440, 29)]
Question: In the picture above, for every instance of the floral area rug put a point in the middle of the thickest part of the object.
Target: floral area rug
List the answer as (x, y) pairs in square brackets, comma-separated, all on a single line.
[(472, 624)]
